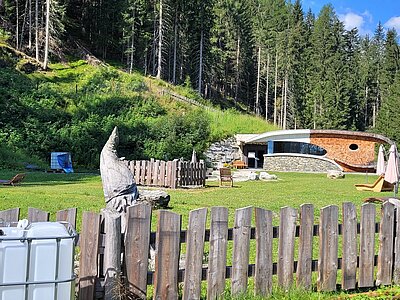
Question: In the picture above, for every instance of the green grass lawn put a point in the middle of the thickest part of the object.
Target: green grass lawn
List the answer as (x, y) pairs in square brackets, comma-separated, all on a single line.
[(53, 192)]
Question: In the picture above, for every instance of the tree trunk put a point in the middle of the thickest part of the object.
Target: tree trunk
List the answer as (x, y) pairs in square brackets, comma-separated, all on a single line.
[(160, 37), (267, 90), (132, 41), (276, 85), (175, 47), (237, 68), (17, 23), (201, 62), (285, 102), (30, 25), (366, 107), (257, 104), (37, 30), (46, 47), (21, 40)]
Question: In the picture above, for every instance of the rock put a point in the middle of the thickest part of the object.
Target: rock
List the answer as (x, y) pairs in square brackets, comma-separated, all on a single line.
[(266, 176), (253, 176), (155, 198), (334, 174)]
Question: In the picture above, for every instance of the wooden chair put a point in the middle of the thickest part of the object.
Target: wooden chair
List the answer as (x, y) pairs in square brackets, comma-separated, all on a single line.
[(14, 181), (225, 175), (380, 185)]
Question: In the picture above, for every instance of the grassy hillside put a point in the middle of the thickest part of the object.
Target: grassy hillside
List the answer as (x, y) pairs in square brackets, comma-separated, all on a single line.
[(74, 106)]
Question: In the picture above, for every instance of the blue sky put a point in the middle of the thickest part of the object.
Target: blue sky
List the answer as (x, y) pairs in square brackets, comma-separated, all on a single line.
[(363, 14)]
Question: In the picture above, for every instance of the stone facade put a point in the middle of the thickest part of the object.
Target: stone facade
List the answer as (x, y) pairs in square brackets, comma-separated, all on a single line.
[(222, 152), (298, 163)]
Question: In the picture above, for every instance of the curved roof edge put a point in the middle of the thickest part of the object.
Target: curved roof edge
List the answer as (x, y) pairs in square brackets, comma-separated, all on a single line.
[(306, 133), (376, 136)]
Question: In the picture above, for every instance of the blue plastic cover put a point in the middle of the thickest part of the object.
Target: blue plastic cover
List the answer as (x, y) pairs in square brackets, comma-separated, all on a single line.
[(64, 160)]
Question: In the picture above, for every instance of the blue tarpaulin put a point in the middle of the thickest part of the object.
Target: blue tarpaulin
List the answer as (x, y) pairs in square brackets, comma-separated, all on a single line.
[(64, 160)]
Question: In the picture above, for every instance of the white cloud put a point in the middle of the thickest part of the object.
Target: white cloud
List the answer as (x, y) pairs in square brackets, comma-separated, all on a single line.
[(352, 20), (394, 22)]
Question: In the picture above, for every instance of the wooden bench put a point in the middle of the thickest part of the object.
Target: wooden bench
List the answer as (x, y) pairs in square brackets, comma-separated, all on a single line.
[(239, 164), (225, 175)]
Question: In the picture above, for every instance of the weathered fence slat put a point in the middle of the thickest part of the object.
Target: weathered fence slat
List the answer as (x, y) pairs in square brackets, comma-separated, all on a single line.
[(137, 238), (217, 256), (143, 171), (10, 215), (328, 249), (287, 231), (167, 255), (263, 269), (37, 215), (137, 171), (174, 174), (304, 268), (112, 256), (194, 253), (67, 215), (396, 262), (149, 172), (385, 254), (240, 254), (367, 245), (349, 246), (156, 173), (89, 247), (162, 173)]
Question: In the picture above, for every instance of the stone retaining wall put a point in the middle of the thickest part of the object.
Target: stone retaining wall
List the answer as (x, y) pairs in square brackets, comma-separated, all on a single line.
[(298, 163)]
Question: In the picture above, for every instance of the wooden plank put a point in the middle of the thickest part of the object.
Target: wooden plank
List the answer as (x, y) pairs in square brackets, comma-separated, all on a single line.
[(240, 254), (349, 246), (143, 172), (37, 215), (204, 172), (217, 255), (156, 173), (137, 240), (386, 238), (67, 215), (304, 271), (367, 245), (167, 255), (174, 174), (180, 174), (89, 245), (263, 268), (396, 262), (150, 169), (328, 249), (194, 253), (10, 215), (287, 231), (137, 171), (168, 174), (162, 173), (112, 253)]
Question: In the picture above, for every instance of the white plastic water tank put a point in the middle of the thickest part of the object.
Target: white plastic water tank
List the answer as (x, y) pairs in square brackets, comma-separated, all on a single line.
[(42, 260)]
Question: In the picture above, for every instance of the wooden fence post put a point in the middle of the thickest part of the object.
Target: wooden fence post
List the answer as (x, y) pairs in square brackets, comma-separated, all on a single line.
[(217, 256), (367, 245), (263, 271), (112, 254), (37, 215), (328, 248), (349, 246), (89, 244), (10, 215), (287, 231), (304, 264), (396, 266), (241, 247), (137, 239), (194, 254), (385, 255), (167, 255), (67, 215)]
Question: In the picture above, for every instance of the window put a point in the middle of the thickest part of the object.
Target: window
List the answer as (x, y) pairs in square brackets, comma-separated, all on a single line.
[(298, 147), (353, 147)]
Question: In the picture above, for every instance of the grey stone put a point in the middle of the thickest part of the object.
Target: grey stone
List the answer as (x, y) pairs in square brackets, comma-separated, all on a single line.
[(155, 198), (334, 174), (266, 176), (253, 176)]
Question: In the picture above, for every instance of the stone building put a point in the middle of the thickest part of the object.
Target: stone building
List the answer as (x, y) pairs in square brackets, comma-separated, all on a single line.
[(311, 150)]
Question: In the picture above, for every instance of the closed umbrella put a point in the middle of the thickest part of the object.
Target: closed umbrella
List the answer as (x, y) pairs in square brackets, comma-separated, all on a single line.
[(392, 169), (194, 157), (380, 164)]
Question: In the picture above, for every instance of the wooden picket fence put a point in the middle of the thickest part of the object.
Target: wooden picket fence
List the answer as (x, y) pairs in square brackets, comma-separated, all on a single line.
[(100, 251), (171, 174)]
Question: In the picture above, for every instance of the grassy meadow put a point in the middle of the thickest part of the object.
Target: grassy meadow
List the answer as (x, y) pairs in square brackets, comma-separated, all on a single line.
[(53, 192)]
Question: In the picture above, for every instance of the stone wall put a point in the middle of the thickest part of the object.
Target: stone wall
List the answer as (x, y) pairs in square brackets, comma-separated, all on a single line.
[(222, 152), (298, 163)]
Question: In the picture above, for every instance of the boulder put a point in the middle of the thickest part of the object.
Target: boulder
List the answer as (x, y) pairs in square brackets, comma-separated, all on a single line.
[(335, 174), (253, 176), (266, 176), (155, 198)]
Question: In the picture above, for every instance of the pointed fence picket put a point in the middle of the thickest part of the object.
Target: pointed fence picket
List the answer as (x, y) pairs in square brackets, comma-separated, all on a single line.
[(358, 262)]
